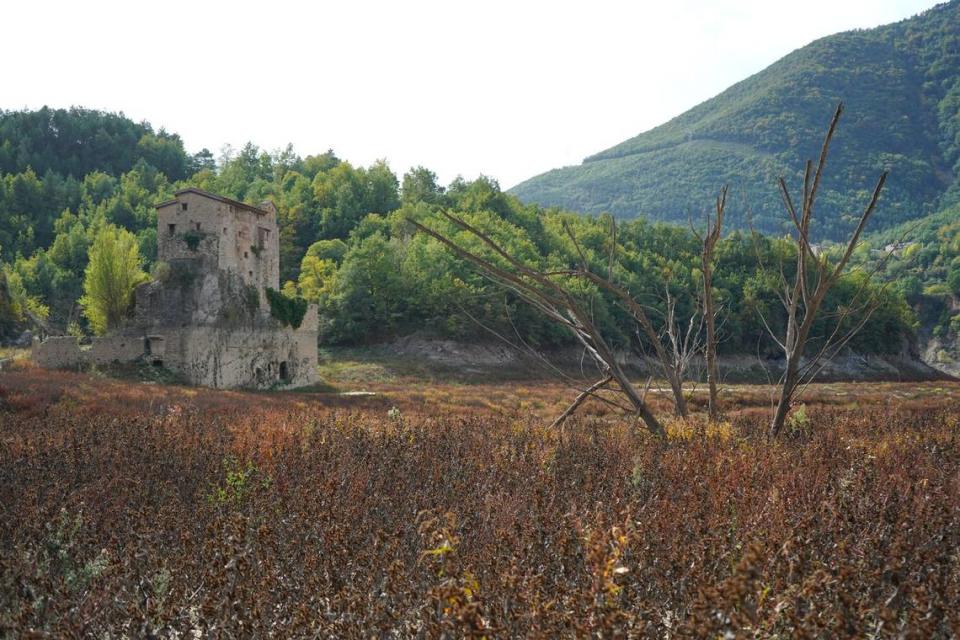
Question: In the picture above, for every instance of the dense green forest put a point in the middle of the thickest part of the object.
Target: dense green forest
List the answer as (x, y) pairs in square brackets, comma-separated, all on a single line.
[(925, 265), (901, 86), (346, 243)]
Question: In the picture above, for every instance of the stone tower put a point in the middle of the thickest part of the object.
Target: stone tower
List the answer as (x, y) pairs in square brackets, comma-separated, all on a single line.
[(226, 234), (207, 316)]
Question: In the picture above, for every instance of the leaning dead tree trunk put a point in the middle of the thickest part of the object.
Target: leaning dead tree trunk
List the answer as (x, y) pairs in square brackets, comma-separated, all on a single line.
[(584, 395), (813, 278), (541, 291), (673, 365), (709, 241)]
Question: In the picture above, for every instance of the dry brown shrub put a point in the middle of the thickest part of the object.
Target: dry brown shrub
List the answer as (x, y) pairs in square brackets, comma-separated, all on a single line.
[(166, 513)]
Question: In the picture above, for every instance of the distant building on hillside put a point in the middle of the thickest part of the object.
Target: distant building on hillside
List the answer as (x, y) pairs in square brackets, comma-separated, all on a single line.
[(209, 316), (897, 246)]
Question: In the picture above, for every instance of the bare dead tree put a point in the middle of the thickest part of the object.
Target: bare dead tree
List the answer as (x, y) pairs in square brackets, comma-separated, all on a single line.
[(683, 345), (673, 368), (543, 291), (674, 345), (583, 396), (709, 241), (803, 293)]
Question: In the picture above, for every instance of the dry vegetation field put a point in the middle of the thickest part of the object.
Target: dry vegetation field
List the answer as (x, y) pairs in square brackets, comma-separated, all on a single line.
[(445, 508)]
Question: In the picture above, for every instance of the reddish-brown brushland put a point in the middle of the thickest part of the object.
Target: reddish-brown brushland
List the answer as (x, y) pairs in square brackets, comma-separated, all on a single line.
[(449, 509)]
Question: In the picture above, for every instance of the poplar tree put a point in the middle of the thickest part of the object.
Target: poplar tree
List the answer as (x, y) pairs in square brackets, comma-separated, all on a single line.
[(113, 272)]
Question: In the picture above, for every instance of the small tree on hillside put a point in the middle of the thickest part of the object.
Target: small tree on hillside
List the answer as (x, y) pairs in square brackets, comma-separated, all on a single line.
[(112, 274), (803, 292)]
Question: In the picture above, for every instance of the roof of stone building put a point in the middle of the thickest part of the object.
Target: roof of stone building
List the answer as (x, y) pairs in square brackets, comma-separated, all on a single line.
[(213, 196)]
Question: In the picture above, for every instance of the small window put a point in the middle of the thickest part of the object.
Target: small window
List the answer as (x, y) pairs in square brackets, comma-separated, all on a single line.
[(246, 255), (172, 228), (284, 372), (224, 231), (183, 206), (250, 273), (198, 226)]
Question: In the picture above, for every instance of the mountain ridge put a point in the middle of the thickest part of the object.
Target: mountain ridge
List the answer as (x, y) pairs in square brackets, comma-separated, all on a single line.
[(901, 85)]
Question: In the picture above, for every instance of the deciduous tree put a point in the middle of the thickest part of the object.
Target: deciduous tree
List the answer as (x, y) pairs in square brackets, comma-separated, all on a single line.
[(114, 270)]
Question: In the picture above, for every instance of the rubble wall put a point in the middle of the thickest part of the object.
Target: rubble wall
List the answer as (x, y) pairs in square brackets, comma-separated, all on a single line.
[(247, 358), (110, 349), (57, 352)]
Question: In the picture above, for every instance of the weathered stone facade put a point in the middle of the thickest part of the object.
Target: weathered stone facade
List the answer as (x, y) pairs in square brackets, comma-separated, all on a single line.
[(222, 233), (57, 352), (207, 316)]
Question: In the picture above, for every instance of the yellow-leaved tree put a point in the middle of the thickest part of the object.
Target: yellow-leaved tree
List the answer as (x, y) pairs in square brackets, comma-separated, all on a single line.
[(112, 274)]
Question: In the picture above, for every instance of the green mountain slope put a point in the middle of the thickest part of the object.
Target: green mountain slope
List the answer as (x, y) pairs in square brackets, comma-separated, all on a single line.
[(901, 86)]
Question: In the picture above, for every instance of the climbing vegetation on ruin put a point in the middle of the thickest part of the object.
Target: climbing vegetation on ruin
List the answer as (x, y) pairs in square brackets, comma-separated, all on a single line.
[(289, 311)]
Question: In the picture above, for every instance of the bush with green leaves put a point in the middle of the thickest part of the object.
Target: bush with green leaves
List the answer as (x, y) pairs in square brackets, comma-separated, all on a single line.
[(289, 311)]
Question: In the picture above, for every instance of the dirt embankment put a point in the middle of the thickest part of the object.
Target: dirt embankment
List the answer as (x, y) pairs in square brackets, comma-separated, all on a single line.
[(497, 356), (943, 356)]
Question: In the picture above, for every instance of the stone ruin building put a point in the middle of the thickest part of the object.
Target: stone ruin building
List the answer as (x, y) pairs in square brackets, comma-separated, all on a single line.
[(208, 315)]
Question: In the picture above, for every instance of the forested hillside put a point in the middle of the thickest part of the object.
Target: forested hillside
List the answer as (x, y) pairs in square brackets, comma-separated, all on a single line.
[(346, 243), (901, 86), (922, 259), (76, 142)]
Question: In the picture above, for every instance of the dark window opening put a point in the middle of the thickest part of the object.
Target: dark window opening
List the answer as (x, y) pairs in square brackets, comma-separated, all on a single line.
[(245, 255), (198, 226), (157, 362), (284, 372), (183, 206), (250, 273), (172, 228)]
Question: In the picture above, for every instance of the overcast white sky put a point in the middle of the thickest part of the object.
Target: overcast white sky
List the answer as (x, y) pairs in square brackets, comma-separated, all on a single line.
[(505, 88)]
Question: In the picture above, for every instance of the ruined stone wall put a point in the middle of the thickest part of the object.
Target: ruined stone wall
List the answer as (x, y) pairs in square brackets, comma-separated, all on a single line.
[(311, 320), (248, 358), (110, 349), (64, 352), (172, 349), (256, 355), (58, 352)]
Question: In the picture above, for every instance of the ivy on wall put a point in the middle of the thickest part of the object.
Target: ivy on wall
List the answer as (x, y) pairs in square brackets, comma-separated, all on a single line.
[(289, 311), (193, 238)]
